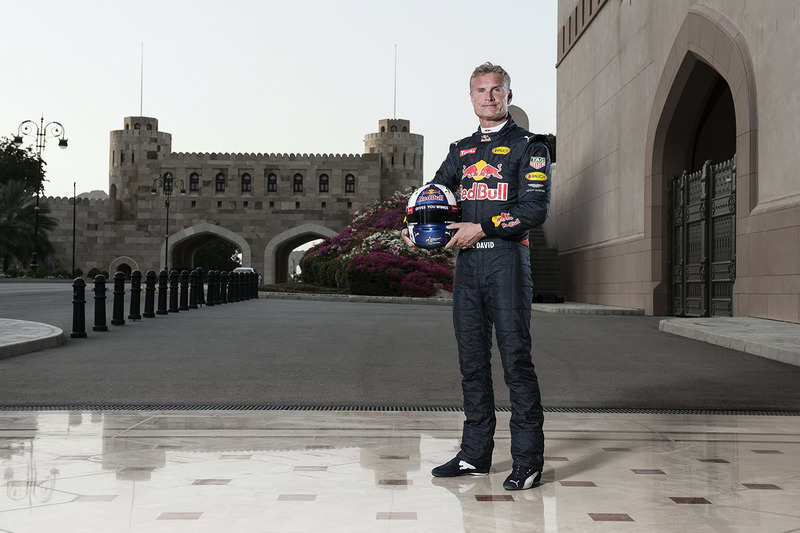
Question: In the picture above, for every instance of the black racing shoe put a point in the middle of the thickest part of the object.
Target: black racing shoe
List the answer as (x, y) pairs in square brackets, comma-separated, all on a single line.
[(458, 467), (522, 477)]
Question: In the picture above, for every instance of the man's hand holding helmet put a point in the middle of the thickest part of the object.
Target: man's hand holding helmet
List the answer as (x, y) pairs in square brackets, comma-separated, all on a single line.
[(431, 212)]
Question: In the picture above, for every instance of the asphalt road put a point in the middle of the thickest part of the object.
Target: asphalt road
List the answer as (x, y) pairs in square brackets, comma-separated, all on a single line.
[(271, 352)]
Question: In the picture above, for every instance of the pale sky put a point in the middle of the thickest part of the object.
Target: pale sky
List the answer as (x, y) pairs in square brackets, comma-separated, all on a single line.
[(263, 76)]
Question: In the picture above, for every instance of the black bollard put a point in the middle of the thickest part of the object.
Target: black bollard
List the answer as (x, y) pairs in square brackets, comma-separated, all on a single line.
[(254, 288), (216, 288), (118, 309), (210, 298), (173, 291), (136, 295), (234, 287), (78, 309), (184, 306), (223, 287), (162, 293), (193, 289), (150, 294), (201, 300), (99, 303), (244, 292)]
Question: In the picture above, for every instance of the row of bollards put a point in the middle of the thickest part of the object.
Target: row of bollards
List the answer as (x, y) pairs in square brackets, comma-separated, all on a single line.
[(182, 290)]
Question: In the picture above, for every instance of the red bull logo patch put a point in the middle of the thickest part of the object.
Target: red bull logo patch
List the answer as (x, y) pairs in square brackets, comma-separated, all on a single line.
[(502, 217), (481, 191), (481, 170)]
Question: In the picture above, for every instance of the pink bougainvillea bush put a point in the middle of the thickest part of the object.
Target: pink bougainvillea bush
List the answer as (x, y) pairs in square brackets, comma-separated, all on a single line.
[(369, 256)]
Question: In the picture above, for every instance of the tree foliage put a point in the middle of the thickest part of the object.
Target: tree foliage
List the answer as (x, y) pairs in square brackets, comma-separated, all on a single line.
[(20, 164), (17, 224), (19, 177)]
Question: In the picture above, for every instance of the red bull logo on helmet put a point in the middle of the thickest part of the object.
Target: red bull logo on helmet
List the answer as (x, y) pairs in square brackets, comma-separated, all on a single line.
[(431, 195), (481, 170)]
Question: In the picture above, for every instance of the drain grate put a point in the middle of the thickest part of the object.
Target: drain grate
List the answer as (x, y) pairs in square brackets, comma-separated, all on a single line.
[(386, 408)]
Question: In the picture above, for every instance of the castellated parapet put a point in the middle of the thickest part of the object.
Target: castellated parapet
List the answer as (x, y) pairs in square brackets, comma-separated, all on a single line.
[(267, 204)]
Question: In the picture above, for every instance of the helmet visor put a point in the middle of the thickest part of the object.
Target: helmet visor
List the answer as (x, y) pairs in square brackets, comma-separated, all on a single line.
[(432, 216)]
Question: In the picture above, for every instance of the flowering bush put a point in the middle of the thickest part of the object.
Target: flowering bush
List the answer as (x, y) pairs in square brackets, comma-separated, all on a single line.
[(370, 257)]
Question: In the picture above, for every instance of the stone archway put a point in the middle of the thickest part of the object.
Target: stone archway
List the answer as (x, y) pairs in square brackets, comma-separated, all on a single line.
[(708, 37), (124, 264), (278, 249), (201, 232)]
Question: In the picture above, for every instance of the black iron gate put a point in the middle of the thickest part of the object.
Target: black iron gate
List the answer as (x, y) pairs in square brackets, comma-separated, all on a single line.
[(702, 240)]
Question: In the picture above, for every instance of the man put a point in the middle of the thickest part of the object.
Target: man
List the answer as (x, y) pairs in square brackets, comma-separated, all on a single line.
[(501, 174)]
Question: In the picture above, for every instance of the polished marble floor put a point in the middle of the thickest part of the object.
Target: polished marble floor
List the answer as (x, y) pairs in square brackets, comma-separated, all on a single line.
[(288, 471)]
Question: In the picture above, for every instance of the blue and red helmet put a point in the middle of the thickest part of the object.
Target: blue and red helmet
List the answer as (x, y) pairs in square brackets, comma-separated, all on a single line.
[(430, 210)]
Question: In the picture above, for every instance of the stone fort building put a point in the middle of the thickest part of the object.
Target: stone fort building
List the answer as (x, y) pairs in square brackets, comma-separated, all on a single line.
[(266, 204)]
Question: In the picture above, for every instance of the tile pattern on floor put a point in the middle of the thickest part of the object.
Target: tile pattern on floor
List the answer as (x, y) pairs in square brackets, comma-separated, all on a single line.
[(369, 471)]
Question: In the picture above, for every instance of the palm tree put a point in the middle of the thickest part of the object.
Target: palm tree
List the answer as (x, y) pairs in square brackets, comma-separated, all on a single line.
[(17, 214)]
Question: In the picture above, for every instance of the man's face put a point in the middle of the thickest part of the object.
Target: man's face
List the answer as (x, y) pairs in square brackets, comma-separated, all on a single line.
[(490, 98)]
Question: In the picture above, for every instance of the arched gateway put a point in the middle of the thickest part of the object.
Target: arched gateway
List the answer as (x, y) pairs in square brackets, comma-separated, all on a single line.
[(702, 161)]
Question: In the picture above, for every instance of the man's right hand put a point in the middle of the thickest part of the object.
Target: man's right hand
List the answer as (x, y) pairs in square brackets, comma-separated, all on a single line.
[(406, 238)]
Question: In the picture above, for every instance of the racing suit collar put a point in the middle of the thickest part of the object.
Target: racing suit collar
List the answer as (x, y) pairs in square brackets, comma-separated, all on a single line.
[(494, 129), (489, 131)]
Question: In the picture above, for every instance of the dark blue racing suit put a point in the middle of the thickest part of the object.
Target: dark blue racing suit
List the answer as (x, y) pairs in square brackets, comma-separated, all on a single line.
[(502, 180)]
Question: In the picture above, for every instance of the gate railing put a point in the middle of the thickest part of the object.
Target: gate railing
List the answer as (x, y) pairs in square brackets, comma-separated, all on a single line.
[(702, 240)]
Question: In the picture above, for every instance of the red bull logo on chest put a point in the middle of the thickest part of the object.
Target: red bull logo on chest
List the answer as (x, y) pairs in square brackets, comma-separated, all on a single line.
[(481, 191), (481, 170)]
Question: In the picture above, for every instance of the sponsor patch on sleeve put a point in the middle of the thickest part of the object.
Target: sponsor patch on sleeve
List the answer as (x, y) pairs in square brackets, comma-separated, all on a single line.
[(538, 162), (536, 176)]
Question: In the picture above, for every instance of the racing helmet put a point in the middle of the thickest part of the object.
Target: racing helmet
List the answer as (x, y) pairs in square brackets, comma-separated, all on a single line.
[(430, 209)]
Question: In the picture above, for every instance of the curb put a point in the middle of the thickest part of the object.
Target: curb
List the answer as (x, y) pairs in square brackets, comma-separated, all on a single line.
[(28, 337)]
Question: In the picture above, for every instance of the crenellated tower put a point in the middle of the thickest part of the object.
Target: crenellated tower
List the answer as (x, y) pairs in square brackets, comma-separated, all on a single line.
[(400, 152), (133, 162)]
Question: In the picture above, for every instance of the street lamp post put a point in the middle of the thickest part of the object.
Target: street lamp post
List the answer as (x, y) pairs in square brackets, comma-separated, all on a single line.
[(167, 182), (42, 131)]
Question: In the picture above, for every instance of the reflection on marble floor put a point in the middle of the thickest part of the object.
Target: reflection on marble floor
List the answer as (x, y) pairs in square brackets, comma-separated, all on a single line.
[(369, 471)]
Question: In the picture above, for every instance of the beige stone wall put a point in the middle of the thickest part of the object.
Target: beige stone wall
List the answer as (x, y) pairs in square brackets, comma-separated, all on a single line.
[(614, 76)]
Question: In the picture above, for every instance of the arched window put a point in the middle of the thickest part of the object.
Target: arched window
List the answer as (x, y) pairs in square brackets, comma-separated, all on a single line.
[(194, 182), (272, 183), (149, 127), (323, 183), (220, 182), (298, 183), (246, 183), (349, 184), (137, 126), (393, 128)]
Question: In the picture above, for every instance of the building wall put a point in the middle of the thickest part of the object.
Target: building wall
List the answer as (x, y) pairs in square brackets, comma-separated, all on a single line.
[(131, 225), (617, 69)]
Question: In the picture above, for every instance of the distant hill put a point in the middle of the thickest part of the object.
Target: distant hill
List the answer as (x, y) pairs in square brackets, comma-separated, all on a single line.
[(94, 195)]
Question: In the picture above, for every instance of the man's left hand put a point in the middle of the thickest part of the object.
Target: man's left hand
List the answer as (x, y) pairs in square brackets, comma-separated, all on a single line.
[(467, 234)]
